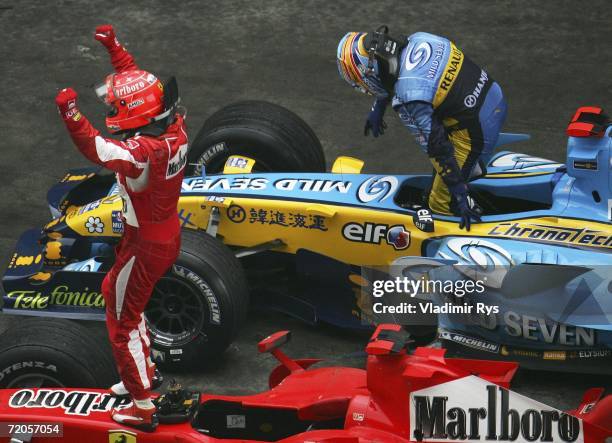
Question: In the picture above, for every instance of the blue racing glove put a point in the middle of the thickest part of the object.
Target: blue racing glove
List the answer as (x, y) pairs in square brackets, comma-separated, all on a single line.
[(375, 122), (464, 206)]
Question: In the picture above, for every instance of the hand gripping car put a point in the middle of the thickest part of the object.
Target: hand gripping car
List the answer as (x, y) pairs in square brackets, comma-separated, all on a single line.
[(251, 231), (403, 396)]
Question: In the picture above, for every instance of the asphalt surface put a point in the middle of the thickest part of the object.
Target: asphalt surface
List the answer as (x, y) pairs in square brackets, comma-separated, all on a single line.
[(549, 57)]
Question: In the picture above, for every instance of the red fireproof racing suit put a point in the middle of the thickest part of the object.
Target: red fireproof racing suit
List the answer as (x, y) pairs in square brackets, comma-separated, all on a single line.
[(149, 174)]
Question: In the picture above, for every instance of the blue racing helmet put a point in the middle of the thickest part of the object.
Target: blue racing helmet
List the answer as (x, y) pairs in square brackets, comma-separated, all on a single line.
[(356, 67)]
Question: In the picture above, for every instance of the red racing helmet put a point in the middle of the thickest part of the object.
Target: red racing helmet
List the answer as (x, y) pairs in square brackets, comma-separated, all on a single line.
[(134, 97)]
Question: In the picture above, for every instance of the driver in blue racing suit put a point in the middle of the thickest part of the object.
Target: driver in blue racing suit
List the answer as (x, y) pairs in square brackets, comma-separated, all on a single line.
[(453, 107)]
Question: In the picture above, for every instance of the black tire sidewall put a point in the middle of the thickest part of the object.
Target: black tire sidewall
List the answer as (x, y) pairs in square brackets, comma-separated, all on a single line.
[(61, 349), (268, 152), (23, 360), (268, 133), (210, 288)]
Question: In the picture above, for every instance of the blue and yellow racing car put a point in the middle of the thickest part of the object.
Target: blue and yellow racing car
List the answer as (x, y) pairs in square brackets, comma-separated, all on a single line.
[(265, 226)]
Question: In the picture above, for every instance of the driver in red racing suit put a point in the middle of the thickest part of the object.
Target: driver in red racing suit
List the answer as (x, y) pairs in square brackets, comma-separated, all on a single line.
[(149, 164)]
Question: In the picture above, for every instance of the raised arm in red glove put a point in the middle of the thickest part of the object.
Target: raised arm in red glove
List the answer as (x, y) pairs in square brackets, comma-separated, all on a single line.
[(114, 155), (121, 59)]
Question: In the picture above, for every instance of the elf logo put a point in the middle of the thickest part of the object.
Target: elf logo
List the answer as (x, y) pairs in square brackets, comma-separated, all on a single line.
[(374, 233), (473, 410), (423, 220)]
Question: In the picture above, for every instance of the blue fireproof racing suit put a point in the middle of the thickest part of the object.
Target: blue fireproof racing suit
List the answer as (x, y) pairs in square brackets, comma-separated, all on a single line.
[(453, 107)]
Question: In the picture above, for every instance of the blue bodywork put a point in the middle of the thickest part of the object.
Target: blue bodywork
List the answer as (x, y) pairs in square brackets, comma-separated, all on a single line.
[(515, 187), (562, 308)]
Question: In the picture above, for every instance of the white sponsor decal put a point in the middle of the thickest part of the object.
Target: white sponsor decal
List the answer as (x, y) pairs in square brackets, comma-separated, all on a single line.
[(236, 421), (471, 342), (129, 89), (132, 144), (211, 152), (418, 55), (524, 162), (89, 207), (177, 162), (396, 236), (377, 188), (94, 225), (135, 103), (91, 265), (309, 185), (213, 304), (114, 191), (485, 260), (71, 402), (225, 184), (237, 162), (470, 100), (473, 410), (358, 416), (261, 184), (538, 329)]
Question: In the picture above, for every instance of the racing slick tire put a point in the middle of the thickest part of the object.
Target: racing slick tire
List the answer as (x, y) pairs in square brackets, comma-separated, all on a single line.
[(197, 308), (276, 138), (52, 352)]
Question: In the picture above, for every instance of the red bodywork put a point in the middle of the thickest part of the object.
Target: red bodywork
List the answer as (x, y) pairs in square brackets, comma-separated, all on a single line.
[(588, 121), (336, 404)]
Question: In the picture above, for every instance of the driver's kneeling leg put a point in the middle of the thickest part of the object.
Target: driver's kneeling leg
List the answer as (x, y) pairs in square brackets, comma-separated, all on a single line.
[(439, 197)]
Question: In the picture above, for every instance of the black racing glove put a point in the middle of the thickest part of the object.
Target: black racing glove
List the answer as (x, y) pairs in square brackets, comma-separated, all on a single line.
[(464, 206)]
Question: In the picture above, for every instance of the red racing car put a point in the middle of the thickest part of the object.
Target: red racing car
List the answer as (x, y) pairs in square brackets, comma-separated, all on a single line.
[(403, 396)]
